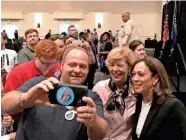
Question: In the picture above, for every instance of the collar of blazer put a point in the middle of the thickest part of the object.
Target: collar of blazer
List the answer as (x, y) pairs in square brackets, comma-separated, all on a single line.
[(147, 128)]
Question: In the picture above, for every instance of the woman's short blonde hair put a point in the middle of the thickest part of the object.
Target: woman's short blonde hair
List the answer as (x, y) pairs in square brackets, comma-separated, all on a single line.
[(119, 54)]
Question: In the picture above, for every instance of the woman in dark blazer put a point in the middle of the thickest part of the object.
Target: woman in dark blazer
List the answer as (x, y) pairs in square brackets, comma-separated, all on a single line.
[(159, 115)]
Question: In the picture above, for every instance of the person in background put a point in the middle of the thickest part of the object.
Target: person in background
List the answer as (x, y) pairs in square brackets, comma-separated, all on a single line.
[(4, 32), (8, 60), (129, 31), (60, 42), (114, 42), (72, 31), (76, 33), (88, 31), (56, 122), (110, 32), (95, 33), (16, 35), (138, 48), (48, 35), (118, 95), (105, 48), (26, 54), (8, 57), (6, 127), (81, 36), (24, 44), (64, 34), (159, 115), (87, 37), (98, 57), (44, 64)]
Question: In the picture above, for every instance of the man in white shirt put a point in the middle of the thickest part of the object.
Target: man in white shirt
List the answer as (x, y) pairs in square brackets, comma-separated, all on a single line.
[(8, 57), (129, 31)]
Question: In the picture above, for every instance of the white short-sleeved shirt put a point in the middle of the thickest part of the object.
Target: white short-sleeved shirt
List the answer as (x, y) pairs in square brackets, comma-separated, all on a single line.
[(8, 59)]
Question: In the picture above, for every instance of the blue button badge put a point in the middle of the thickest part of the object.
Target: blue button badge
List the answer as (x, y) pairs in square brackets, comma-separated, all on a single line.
[(65, 96)]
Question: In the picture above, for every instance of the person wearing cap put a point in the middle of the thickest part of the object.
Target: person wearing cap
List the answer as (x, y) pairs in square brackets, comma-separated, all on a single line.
[(43, 120), (59, 39)]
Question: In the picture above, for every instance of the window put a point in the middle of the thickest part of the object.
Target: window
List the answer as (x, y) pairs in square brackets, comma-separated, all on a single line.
[(64, 27), (38, 19), (99, 17), (10, 29)]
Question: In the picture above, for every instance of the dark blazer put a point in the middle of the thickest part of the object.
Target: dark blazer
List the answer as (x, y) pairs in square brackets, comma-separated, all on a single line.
[(165, 121)]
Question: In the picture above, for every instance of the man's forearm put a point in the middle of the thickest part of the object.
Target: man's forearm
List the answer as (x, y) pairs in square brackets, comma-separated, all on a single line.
[(9, 103), (98, 130)]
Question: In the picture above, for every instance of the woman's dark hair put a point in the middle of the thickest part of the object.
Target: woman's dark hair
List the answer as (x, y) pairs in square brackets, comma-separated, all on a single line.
[(85, 35), (107, 33), (162, 87), (134, 44), (101, 38), (88, 31), (81, 35)]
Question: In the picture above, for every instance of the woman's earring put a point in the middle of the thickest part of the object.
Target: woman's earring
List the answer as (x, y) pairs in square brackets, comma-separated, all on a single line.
[(154, 84)]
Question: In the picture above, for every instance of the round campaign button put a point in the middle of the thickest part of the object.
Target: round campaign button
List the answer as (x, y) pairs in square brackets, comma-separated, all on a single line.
[(65, 96), (69, 115), (57, 74)]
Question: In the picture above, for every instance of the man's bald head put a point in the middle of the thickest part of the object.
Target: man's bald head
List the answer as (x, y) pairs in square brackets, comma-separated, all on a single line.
[(75, 65), (125, 16), (74, 47), (126, 13)]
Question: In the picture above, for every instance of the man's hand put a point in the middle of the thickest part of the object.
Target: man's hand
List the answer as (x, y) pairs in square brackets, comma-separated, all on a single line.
[(86, 45), (38, 94), (12, 136), (87, 114), (7, 121), (69, 41)]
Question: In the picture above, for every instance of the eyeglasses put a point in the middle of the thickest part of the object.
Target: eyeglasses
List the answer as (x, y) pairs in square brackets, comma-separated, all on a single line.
[(47, 63), (73, 30), (56, 36)]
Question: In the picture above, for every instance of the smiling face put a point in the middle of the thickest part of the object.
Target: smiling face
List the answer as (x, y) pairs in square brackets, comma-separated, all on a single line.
[(75, 67), (142, 78), (118, 71)]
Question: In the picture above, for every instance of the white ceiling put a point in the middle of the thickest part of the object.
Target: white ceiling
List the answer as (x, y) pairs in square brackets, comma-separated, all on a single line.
[(82, 6)]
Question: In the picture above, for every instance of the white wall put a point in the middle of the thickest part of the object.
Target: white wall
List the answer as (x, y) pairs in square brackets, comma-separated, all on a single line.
[(146, 15), (148, 24)]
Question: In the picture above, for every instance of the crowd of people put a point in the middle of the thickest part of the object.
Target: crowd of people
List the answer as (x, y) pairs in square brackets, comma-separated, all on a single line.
[(134, 102)]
